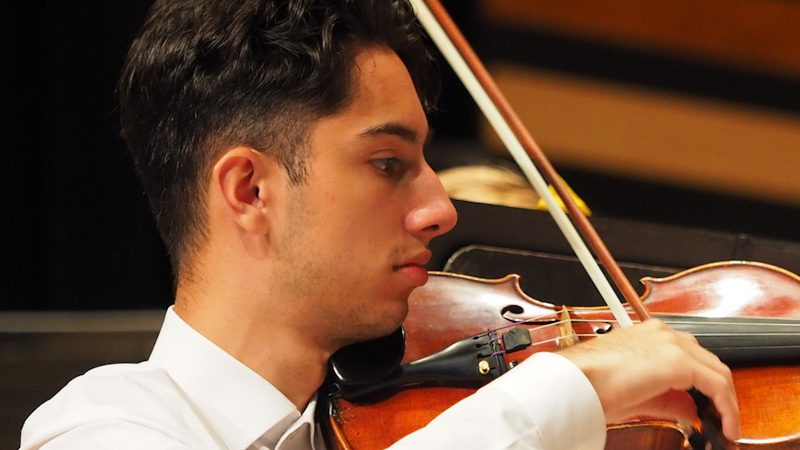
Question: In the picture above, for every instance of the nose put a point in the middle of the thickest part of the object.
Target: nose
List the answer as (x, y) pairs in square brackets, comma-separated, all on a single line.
[(432, 213)]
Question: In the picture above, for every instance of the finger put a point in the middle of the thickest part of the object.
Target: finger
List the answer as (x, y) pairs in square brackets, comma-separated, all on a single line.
[(707, 373), (693, 347), (719, 388), (714, 379), (673, 404)]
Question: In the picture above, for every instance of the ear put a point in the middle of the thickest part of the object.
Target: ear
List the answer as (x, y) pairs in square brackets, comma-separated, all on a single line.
[(240, 178)]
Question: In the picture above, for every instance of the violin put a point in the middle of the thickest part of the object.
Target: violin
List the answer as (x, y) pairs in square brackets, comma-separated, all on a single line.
[(462, 332), (386, 372)]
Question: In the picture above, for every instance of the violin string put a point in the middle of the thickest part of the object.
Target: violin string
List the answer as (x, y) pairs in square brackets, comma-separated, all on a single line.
[(551, 340), (552, 321), (723, 334), (497, 338), (753, 335), (777, 321), (550, 317), (743, 321), (592, 335), (566, 337)]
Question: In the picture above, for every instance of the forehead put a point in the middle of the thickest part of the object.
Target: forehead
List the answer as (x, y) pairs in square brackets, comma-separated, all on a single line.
[(383, 101), (379, 73)]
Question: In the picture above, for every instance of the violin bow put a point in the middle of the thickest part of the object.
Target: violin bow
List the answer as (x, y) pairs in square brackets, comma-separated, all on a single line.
[(523, 148)]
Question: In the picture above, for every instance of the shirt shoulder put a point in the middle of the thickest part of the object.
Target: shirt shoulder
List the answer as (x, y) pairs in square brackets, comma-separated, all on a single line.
[(129, 398), (111, 435)]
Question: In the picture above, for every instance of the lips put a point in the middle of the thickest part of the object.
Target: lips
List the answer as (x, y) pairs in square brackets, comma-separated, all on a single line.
[(415, 274), (419, 259), (413, 268)]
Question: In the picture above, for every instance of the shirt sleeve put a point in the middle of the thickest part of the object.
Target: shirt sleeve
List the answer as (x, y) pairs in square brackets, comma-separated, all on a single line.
[(545, 403)]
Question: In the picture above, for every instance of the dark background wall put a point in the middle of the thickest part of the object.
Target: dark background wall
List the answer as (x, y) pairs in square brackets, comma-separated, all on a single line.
[(76, 233)]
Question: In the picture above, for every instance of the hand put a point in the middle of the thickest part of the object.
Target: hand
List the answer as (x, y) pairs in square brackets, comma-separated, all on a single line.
[(646, 370)]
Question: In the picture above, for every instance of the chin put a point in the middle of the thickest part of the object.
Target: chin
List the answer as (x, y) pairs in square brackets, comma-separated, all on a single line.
[(385, 323), (391, 320)]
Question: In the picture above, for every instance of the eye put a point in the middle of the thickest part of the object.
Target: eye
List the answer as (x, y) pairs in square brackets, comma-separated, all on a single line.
[(389, 166)]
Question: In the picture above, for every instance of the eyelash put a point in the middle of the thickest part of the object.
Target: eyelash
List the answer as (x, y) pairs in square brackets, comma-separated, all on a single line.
[(389, 166)]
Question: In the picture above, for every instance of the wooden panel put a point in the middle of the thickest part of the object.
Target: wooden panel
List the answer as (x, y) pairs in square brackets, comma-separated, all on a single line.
[(657, 136), (760, 35)]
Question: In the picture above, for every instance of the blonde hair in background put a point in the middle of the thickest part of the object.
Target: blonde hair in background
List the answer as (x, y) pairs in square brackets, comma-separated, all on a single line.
[(496, 185)]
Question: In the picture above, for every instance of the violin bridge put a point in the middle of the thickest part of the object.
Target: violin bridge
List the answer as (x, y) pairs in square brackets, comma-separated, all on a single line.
[(567, 337)]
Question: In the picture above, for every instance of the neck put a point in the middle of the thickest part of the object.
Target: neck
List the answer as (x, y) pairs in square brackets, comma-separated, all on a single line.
[(739, 341), (247, 330)]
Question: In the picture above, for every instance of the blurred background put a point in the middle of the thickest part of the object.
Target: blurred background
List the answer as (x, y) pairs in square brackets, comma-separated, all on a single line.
[(676, 113)]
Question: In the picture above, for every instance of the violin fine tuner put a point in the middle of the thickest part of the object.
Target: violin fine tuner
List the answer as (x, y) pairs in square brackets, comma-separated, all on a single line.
[(483, 367)]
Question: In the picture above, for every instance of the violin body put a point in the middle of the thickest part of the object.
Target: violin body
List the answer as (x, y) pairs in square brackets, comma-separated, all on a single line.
[(451, 307)]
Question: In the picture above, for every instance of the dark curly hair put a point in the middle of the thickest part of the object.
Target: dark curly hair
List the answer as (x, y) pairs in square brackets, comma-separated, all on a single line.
[(205, 75)]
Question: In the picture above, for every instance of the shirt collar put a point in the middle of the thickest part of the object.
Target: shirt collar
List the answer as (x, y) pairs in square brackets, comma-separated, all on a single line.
[(239, 404)]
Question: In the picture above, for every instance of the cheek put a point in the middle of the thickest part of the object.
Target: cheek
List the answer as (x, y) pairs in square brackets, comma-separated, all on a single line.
[(330, 197), (366, 218), (360, 218)]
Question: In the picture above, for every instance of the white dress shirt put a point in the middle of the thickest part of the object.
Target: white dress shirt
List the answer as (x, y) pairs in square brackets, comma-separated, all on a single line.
[(191, 394)]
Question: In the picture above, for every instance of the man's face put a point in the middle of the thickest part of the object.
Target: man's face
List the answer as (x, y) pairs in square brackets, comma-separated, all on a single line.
[(353, 238)]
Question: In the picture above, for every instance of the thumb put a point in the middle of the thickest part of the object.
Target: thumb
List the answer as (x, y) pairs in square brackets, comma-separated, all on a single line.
[(672, 404)]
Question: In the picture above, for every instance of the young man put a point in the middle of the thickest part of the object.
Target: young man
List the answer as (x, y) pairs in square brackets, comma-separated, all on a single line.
[(280, 145)]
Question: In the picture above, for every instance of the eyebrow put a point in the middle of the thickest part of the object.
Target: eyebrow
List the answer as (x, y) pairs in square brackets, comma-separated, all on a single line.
[(395, 129)]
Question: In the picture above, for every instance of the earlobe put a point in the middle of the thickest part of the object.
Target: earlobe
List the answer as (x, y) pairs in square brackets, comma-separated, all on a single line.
[(239, 180)]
